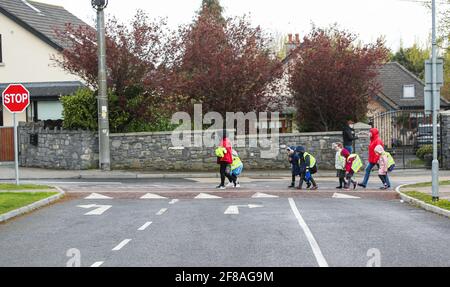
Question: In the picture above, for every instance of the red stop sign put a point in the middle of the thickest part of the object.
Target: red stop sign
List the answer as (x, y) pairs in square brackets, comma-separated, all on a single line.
[(16, 98)]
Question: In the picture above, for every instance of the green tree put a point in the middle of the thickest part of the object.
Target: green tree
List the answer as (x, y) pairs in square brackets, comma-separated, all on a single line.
[(413, 59)]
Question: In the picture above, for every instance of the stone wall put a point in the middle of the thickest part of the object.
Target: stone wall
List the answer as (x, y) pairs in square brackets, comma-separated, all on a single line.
[(57, 149), (154, 151)]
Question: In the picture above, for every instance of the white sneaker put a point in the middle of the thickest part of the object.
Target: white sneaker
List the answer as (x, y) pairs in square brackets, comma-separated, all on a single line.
[(237, 186), (230, 184)]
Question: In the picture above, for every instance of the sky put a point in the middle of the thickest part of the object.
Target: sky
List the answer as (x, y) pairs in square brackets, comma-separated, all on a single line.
[(399, 21)]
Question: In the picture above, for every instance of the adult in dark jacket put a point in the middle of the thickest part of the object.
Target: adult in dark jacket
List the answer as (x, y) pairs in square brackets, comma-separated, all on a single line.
[(348, 135), (373, 156)]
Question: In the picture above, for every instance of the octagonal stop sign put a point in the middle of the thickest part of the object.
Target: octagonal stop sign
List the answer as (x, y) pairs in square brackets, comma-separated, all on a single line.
[(16, 98)]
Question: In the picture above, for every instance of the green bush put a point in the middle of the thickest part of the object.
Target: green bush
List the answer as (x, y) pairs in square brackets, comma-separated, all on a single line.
[(80, 112), (424, 150)]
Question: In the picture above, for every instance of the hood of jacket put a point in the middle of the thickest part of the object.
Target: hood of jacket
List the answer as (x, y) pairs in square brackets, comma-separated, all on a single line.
[(374, 134)]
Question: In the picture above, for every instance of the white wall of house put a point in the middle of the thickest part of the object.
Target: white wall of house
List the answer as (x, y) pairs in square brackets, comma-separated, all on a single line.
[(26, 58)]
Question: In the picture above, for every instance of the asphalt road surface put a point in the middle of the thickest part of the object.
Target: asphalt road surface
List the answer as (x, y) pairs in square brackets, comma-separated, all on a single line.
[(108, 223)]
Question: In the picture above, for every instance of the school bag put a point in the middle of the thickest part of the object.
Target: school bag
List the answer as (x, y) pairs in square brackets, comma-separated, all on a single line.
[(391, 161), (357, 163), (220, 152)]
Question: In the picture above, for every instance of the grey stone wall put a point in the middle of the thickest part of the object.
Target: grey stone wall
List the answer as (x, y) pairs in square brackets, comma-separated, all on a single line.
[(445, 138), (154, 151), (57, 149)]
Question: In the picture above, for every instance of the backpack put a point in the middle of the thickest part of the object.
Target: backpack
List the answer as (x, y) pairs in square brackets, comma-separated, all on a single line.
[(220, 152), (391, 161)]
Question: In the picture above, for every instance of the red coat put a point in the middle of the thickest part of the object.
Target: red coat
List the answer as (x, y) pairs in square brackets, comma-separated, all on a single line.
[(348, 161), (374, 142), (228, 157)]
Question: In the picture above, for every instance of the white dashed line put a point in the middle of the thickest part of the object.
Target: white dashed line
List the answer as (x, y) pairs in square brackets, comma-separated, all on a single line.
[(97, 264), (173, 201), (121, 245), (312, 241), (161, 212), (143, 227)]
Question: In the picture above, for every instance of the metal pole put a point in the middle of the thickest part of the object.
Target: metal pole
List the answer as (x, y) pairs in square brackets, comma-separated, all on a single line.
[(103, 119), (436, 99), (16, 149)]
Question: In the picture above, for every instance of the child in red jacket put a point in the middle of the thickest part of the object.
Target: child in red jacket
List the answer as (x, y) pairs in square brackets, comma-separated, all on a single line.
[(349, 169)]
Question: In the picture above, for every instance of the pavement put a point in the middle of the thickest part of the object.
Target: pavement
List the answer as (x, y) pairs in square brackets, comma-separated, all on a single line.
[(182, 221)]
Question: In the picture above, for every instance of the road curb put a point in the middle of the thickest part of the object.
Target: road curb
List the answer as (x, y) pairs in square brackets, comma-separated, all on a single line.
[(426, 206), (36, 205)]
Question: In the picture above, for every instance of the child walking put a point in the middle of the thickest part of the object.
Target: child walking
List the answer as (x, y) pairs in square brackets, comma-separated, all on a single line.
[(294, 159), (386, 163), (310, 167), (339, 164), (353, 164), (236, 170)]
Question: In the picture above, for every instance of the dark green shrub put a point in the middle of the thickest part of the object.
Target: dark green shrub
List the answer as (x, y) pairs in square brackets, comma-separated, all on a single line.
[(424, 150)]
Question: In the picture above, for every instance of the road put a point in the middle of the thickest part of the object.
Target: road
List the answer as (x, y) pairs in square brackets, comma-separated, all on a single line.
[(267, 226)]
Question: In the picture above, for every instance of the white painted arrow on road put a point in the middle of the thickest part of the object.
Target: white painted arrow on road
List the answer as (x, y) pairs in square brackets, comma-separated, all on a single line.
[(234, 209), (99, 209)]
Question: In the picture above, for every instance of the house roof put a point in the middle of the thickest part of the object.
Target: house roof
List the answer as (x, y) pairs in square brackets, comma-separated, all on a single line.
[(392, 77), (40, 19), (49, 89)]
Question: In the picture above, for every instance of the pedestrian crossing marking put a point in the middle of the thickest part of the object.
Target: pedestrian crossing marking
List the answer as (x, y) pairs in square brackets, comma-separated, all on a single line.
[(344, 196), (263, 195), (153, 196), (207, 196), (98, 196)]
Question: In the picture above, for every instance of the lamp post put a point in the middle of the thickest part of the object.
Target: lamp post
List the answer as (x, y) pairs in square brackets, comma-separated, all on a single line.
[(103, 119), (435, 103)]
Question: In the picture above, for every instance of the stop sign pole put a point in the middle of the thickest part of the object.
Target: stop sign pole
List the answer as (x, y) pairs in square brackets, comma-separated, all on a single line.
[(16, 99)]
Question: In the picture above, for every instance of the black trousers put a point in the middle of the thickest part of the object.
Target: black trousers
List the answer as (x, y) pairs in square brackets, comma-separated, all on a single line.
[(383, 179), (224, 174)]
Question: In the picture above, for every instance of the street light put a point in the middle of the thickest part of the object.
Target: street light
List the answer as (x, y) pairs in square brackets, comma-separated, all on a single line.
[(99, 4), (103, 118), (436, 101)]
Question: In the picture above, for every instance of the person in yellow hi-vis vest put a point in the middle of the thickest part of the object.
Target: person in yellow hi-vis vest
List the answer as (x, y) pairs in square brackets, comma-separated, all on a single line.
[(353, 165), (386, 163), (308, 166)]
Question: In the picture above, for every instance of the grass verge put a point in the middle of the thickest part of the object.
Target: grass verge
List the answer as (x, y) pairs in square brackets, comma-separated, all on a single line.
[(426, 184), (444, 204), (10, 201), (14, 187)]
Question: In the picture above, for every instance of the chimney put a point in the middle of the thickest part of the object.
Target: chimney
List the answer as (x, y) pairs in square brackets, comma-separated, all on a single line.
[(292, 44), (290, 39)]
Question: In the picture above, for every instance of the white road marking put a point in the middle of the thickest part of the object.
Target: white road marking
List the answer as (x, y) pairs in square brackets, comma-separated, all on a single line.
[(234, 209), (153, 196), (162, 211), (207, 196), (144, 227), (98, 264), (121, 245), (100, 209), (98, 196), (263, 195), (312, 241), (173, 201), (344, 196)]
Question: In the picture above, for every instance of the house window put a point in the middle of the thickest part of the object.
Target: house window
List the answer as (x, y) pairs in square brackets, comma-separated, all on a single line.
[(409, 91), (1, 54)]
